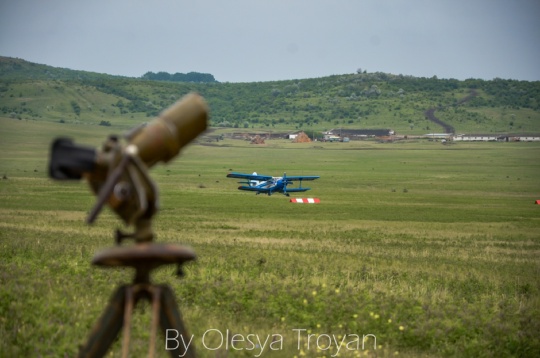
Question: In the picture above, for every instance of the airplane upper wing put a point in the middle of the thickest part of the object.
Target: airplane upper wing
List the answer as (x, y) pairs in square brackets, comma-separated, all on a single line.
[(249, 176), (302, 177)]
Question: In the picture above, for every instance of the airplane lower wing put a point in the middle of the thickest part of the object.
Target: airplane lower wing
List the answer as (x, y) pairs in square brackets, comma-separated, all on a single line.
[(297, 190), (270, 190), (253, 188)]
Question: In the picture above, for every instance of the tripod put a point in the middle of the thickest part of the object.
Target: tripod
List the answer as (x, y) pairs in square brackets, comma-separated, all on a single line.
[(165, 313)]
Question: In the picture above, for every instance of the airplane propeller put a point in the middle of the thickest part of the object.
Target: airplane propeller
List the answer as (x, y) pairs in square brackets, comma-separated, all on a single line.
[(285, 183)]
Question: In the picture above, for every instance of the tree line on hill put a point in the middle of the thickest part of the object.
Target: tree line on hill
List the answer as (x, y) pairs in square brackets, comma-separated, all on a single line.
[(18, 69), (196, 77)]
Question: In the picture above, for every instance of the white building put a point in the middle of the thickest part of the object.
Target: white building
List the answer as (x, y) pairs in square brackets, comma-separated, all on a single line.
[(475, 137), (495, 137)]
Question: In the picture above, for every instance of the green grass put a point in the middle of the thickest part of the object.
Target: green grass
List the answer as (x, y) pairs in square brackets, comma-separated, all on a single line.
[(434, 249)]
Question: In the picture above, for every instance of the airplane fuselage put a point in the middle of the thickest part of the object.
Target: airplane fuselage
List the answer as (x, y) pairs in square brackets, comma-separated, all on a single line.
[(276, 184)]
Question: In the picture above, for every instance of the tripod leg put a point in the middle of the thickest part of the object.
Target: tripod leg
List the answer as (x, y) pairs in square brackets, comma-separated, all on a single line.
[(106, 329), (155, 293), (128, 311), (171, 318)]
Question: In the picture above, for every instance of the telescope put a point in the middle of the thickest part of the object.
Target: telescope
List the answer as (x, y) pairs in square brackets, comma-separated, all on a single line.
[(118, 172), (118, 176)]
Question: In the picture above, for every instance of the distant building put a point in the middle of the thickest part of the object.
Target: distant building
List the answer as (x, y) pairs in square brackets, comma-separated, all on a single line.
[(337, 134), (496, 137), (331, 138), (475, 137), (438, 135), (524, 138)]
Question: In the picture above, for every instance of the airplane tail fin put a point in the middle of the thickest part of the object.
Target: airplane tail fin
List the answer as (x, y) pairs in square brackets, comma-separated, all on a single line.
[(254, 182)]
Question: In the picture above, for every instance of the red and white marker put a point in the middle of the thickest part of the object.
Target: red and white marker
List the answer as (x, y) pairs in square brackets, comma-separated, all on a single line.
[(305, 200)]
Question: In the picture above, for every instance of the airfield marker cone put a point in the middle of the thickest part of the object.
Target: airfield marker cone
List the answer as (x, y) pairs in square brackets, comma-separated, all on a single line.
[(305, 200)]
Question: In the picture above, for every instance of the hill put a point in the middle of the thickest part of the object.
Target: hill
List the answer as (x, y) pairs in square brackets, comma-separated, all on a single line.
[(405, 104)]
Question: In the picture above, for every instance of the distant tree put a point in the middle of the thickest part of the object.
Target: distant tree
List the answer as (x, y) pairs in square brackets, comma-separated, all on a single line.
[(180, 77), (76, 108), (224, 124)]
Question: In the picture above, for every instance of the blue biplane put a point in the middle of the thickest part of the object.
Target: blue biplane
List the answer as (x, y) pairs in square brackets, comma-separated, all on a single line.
[(268, 184)]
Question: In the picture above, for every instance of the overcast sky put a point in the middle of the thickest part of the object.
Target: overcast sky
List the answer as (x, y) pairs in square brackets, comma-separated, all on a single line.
[(266, 40)]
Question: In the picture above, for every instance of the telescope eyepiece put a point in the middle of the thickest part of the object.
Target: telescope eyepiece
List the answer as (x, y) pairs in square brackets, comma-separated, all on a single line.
[(69, 161)]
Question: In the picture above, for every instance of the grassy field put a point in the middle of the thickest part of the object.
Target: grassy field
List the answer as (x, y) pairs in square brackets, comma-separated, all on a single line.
[(416, 249)]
